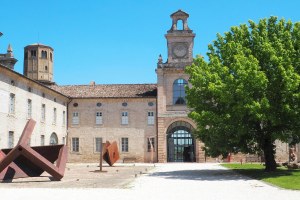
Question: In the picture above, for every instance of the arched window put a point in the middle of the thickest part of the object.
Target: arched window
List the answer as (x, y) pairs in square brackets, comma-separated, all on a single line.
[(180, 25), (44, 54), (53, 139), (179, 92)]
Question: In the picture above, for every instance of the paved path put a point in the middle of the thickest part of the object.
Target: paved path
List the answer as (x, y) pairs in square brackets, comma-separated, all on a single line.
[(169, 181)]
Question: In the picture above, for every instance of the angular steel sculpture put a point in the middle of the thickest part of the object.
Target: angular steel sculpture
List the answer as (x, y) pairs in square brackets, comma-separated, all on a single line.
[(25, 161), (111, 153)]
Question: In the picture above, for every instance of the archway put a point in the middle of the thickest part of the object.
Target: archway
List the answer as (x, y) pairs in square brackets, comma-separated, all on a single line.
[(180, 142), (53, 139)]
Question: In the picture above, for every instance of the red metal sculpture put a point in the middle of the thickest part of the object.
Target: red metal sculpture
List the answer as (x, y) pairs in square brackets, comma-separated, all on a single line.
[(25, 161), (111, 153)]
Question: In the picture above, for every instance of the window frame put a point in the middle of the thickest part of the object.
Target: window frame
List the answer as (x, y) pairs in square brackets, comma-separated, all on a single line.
[(179, 94), (99, 119), (97, 146), (150, 118), (124, 118), (29, 108), (75, 144), (42, 140), (75, 118), (54, 115), (64, 118), (125, 144), (12, 103), (11, 136), (149, 145), (43, 113)]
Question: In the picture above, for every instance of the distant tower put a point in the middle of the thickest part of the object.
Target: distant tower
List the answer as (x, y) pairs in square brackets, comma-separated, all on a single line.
[(8, 59), (38, 63)]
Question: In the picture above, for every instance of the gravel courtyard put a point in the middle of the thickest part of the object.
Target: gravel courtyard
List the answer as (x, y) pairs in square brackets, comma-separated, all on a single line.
[(146, 181)]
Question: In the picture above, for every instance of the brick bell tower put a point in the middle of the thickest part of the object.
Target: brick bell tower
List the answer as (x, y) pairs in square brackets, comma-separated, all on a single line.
[(174, 138), (38, 63)]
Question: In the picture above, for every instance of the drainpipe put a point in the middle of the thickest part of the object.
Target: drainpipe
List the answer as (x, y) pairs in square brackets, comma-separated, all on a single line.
[(67, 120)]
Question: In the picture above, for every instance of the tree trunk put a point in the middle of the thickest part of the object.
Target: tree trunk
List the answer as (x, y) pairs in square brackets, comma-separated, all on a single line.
[(269, 151)]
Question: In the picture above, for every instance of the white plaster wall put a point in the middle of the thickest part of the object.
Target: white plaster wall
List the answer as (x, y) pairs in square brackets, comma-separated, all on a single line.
[(15, 122)]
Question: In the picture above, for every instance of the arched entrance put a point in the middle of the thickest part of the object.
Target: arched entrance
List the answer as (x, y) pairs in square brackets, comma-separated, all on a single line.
[(180, 142), (53, 139)]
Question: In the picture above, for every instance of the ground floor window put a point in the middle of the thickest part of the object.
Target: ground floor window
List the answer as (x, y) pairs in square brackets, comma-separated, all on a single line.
[(98, 144), (75, 144), (53, 139), (10, 139), (151, 144), (42, 140), (124, 144)]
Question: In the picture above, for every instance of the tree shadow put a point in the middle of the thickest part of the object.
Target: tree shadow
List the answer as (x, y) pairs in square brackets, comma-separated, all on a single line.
[(262, 174), (201, 175)]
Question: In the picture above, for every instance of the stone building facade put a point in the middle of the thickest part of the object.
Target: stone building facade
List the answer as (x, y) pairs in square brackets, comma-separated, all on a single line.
[(123, 113), (22, 98)]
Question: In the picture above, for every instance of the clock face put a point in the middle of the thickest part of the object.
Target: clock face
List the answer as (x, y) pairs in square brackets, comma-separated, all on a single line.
[(180, 50)]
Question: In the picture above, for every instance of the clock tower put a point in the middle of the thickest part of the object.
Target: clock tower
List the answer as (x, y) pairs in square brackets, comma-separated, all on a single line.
[(175, 141), (180, 41)]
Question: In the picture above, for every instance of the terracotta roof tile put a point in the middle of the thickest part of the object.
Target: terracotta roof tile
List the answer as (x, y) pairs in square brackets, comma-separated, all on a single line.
[(108, 91)]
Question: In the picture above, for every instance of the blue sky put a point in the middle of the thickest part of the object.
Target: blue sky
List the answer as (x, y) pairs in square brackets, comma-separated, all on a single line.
[(118, 41)]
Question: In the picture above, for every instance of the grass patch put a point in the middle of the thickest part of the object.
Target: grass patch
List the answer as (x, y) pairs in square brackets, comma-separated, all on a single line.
[(282, 177)]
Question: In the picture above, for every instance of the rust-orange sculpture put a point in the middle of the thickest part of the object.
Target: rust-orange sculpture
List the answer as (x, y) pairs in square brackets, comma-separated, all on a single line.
[(111, 153), (25, 161)]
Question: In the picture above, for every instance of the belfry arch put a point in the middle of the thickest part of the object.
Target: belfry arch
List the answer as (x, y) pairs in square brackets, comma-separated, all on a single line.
[(180, 142)]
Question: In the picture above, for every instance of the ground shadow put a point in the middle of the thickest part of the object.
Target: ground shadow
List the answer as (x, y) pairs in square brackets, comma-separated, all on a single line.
[(262, 174), (221, 174), (201, 175)]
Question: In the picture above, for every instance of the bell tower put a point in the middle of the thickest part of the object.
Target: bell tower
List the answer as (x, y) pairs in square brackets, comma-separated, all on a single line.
[(38, 63), (180, 41), (172, 112)]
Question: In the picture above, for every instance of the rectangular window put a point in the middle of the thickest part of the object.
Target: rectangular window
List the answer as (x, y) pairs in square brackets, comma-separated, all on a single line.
[(64, 118), (42, 140), (151, 144), (64, 140), (43, 113), (98, 144), (54, 116), (150, 118), (29, 108), (124, 119), (124, 144), (75, 119), (98, 118), (12, 100), (10, 139), (75, 144)]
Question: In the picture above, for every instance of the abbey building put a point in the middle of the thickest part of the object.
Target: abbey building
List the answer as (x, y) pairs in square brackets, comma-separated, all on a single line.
[(148, 121)]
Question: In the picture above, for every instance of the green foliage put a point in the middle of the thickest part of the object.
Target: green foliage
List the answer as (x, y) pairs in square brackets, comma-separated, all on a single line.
[(248, 92), (282, 177)]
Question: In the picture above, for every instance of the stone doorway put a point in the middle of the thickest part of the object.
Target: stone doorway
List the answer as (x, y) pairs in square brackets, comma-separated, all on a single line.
[(180, 142)]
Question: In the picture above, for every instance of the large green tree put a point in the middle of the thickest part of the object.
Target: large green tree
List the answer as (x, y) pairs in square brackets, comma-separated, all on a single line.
[(247, 95)]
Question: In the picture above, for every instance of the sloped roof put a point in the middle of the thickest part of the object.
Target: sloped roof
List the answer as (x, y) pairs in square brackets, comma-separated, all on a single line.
[(108, 91), (180, 13), (30, 80), (38, 45)]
